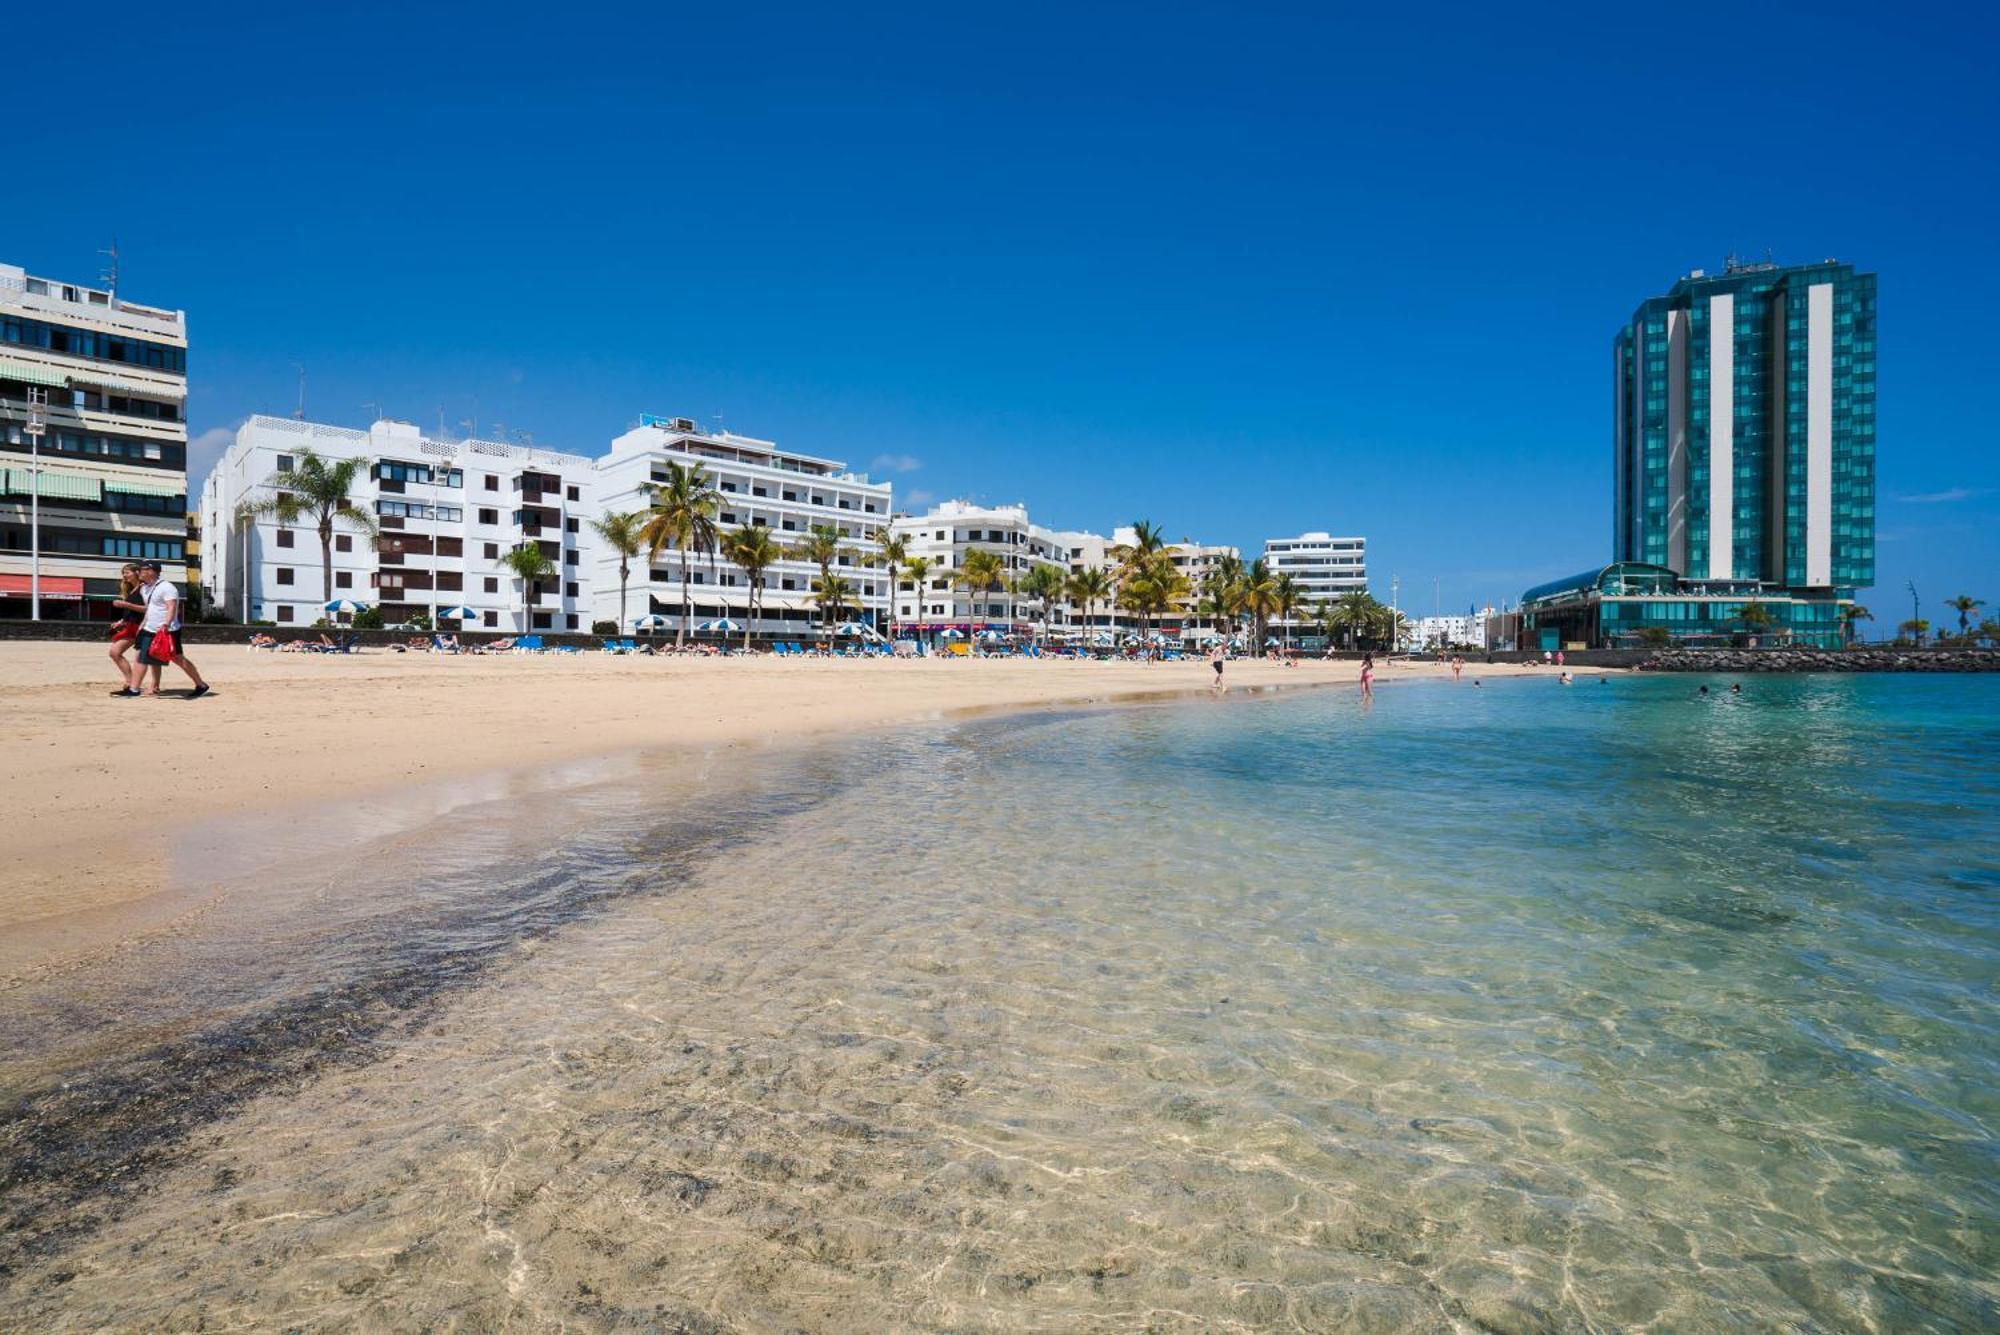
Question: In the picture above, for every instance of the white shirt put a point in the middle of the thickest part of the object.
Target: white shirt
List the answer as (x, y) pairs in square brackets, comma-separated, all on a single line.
[(161, 597)]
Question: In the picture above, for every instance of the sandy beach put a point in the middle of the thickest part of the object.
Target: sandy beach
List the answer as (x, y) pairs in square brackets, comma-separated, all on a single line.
[(90, 774)]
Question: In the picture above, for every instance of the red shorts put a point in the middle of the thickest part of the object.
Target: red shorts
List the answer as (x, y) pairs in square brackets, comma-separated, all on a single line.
[(124, 630)]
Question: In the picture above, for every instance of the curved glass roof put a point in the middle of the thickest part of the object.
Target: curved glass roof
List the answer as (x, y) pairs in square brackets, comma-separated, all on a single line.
[(1618, 577)]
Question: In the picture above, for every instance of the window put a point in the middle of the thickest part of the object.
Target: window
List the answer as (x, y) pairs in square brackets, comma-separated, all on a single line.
[(759, 491), (489, 516), (572, 493), (492, 584), (342, 580), (492, 484), (790, 583), (284, 537), (493, 551), (450, 579), (284, 463), (569, 525), (451, 547), (489, 619), (791, 495), (570, 619), (284, 613), (343, 543), (284, 574), (569, 557), (569, 590)]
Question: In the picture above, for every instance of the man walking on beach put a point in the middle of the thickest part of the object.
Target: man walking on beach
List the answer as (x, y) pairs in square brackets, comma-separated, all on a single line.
[(163, 614)]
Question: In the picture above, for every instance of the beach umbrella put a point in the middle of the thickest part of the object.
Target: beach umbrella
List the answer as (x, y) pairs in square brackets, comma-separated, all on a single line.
[(951, 633), (854, 628), (651, 621), (721, 626), (346, 605), (991, 636), (457, 614)]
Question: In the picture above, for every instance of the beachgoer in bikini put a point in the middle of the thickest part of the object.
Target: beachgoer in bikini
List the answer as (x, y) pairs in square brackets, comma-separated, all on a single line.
[(1368, 674)]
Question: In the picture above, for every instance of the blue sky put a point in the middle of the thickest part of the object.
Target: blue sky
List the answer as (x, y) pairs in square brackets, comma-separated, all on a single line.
[(1242, 271)]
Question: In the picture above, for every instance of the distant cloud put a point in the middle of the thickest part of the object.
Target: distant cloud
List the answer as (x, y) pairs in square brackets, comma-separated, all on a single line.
[(1942, 497), (895, 463), (918, 496), (204, 452)]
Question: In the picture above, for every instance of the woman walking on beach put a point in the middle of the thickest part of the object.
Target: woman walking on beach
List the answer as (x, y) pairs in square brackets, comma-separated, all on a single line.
[(126, 628), (1368, 675), (1216, 656)]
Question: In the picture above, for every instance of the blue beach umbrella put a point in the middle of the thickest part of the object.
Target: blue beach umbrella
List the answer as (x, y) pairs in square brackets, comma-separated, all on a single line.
[(346, 605), (651, 621), (457, 614), (721, 625)]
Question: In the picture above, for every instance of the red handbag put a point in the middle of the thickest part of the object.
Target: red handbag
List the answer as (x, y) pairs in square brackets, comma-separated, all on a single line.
[(126, 629), (161, 650)]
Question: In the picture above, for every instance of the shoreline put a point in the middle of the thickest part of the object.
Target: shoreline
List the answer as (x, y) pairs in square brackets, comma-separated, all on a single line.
[(94, 775)]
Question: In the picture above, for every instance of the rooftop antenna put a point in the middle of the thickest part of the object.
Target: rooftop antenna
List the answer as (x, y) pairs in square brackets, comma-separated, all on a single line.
[(300, 414), (110, 274)]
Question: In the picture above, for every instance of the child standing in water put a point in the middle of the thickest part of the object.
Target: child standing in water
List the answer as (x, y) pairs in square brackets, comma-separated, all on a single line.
[(1368, 674)]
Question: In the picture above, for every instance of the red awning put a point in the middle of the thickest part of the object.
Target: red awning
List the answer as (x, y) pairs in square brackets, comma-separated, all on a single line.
[(66, 587)]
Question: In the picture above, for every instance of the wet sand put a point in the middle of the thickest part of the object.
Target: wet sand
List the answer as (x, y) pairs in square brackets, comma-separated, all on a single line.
[(92, 775)]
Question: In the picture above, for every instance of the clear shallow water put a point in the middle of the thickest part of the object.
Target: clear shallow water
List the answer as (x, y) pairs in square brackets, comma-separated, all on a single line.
[(1521, 1007)]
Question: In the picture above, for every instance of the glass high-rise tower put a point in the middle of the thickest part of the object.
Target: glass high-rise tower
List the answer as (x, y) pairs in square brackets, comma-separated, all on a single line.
[(1743, 481), (1744, 427)]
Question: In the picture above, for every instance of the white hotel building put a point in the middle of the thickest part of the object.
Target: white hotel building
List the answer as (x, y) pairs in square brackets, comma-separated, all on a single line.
[(448, 511), (1325, 566), (945, 535), (105, 381), (785, 490)]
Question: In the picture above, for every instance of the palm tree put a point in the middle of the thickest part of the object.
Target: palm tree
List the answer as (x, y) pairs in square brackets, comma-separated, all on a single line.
[(1389, 625), (1355, 614), (685, 504), (1850, 614), (1045, 584), (622, 534), (891, 550), (1288, 594), (918, 568), (982, 572), (1965, 605), (531, 565), (1914, 630), (752, 549), (1755, 616), (1087, 588), (317, 488), (1150, 587), (1223, 590), (831, 593), (1260, 599), (822, 545), (1325, 620), (1989, 631)]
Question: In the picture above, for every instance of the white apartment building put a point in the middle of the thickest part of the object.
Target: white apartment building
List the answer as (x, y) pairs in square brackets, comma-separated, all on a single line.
[(449, 511), (945, 535), (1324, 565), (102, 383), (1443, 632), (785, 490)]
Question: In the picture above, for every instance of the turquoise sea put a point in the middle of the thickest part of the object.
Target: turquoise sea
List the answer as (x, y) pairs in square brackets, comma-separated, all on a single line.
[(1501, 1007)]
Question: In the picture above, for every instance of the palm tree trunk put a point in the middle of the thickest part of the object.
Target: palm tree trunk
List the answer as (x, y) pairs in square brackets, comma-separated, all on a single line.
[(326, 564), (687, 603), (624, 571), (751, 619)]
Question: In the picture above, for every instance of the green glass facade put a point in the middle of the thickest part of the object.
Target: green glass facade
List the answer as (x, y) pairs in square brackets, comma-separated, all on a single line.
[(1743, 425)]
